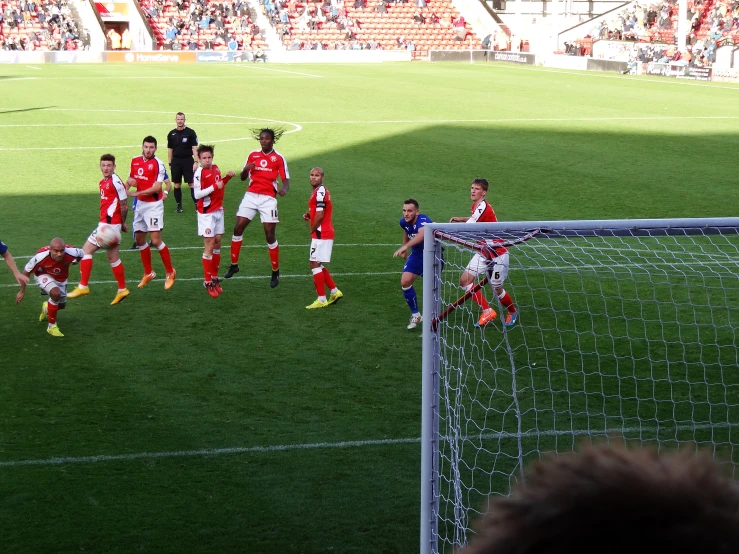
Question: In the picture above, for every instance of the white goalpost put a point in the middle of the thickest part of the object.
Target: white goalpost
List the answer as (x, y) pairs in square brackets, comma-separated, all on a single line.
[(627, 330)]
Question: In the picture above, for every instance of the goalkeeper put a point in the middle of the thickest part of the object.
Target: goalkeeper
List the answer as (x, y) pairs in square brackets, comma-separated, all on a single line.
[(496, 265)]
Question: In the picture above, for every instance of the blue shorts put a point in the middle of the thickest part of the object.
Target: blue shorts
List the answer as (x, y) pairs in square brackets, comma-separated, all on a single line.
[(414, 264)]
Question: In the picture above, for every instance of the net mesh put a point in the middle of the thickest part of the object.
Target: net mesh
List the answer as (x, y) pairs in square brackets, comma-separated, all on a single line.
[(627, 333)]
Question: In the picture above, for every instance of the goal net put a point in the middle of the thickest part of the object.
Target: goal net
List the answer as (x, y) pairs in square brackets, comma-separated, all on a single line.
[(625, 330)]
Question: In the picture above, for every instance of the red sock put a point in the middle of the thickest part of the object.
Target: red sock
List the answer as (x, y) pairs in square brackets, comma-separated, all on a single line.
[(319, 282), (85, 270), (207, 268), (507, 301), (146, 258), (328, 280), (119, 274), (166, 258), (216, 263), (51, 312), (481, 300), (235, 249), (274, 256)]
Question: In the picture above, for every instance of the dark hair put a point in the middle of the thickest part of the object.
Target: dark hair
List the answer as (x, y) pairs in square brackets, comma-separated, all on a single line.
[(150, 140), (179, 113), (206, 148), (275, 133), (482, 182), (609, 499), (411, 201), (107, 158)]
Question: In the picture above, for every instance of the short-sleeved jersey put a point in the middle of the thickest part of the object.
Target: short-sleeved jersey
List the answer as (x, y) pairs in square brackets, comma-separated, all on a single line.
[(43, 264), (181, 142), (267, 167), (411, 230), (319, 201), (147, 172), (3, 248), (482, 212), (204, 181), (112, 193)]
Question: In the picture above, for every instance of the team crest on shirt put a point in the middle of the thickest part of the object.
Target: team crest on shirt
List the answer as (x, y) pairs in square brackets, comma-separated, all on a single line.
[(151, 166), (273, 158)]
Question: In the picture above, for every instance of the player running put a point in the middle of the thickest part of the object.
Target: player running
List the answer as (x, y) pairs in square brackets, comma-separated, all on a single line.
[(209, 189), (320, 209), (7, 256), (482, 211), (262, 168), (113, 211), (50, 268), (412, 224), (148, 175)]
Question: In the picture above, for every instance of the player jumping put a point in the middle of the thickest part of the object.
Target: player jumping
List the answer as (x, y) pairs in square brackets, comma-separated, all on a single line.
[(50, 268), (113, 211), (482, 211), (209, 188), (412, 224), (262, 168), (148, 175), (320, 209)]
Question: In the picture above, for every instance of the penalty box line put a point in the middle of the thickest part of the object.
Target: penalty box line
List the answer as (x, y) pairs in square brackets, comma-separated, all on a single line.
[(348, 444)]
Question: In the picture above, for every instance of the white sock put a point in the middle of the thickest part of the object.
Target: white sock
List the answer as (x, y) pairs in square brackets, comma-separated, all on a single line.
[(322, 299)]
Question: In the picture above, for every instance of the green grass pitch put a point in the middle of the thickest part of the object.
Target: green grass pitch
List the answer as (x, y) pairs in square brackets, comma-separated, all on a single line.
[(177, 371)]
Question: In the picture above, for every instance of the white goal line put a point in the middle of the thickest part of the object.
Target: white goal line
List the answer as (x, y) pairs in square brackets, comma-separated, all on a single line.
[(342, 444)]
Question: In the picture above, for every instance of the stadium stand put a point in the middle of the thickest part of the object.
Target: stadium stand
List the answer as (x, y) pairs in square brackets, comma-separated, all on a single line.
[(39, 25), (370, 24), (719, 24), (203, 25)]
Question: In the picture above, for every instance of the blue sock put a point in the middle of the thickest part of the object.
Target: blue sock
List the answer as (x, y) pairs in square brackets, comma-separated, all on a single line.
[(410, 298)]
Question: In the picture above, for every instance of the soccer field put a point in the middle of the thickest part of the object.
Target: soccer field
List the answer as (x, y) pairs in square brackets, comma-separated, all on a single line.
[(175, 422)]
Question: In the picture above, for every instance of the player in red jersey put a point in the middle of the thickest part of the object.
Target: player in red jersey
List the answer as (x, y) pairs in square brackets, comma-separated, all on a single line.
[(113, 211), (482, 211), (147, 176), (50, 269), (320, 210), (262, 168), (209, 188)]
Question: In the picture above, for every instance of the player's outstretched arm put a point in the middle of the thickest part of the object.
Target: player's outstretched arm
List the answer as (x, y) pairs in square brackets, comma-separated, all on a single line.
[(22, 292), (458, 220), (19, 277), (245, 172)]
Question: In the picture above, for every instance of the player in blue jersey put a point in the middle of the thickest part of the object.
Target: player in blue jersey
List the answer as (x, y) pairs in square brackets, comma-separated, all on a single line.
[(5, 254), (412, 224)]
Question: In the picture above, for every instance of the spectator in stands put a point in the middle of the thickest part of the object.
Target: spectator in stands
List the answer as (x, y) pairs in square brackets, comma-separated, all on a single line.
[(115, 39), (126, 39), (86, 40), (232, 44), (611, 500)]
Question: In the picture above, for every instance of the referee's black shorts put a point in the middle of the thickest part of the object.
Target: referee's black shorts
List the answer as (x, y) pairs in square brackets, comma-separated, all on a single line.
[(182, 168)]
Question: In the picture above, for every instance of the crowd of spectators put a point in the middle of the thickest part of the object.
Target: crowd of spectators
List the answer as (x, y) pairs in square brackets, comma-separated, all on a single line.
[(40, 25), (721, 22), (202, 25), (292, 19), (639, 22)]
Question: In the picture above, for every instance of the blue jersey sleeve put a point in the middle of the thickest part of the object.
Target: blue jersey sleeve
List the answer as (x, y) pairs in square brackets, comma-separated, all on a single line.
[(423, 219), (3, 248)]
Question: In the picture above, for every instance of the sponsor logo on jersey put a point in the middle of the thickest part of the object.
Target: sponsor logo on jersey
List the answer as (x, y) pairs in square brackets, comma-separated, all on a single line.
[(263, 163)]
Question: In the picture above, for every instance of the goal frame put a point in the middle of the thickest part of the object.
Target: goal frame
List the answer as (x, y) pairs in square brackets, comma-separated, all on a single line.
[(430, 340)]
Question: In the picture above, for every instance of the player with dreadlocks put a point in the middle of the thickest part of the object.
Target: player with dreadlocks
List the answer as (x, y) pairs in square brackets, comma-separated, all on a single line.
[(262, 168)]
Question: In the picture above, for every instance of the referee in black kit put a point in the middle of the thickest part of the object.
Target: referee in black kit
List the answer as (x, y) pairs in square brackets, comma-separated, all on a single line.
[(182, 145)]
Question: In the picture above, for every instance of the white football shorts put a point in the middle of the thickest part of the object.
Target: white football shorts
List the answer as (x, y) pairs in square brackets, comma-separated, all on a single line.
[(93, 238), (498, 266), (210, 224), (264, 204), (149, 216), (320, 250), (47, 283)]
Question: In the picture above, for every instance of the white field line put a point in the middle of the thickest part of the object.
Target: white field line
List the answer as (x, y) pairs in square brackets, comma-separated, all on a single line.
[(248, 277), (345, 444), (516, 120), (200, 247), (152, 78), (33, 67), (254, 66), (51, 124), (658, 80)]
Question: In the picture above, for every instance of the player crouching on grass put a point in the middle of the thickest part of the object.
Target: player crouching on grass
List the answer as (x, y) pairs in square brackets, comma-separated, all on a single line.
[(209, 189), (320, 210), (50, 268), (113, 211)]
